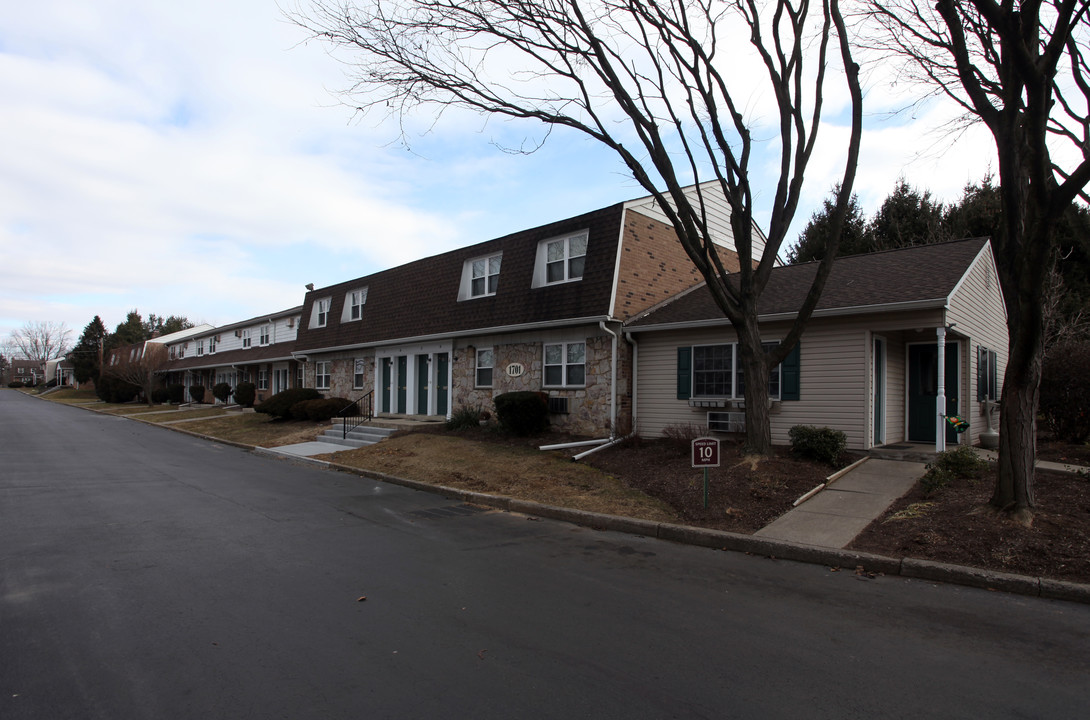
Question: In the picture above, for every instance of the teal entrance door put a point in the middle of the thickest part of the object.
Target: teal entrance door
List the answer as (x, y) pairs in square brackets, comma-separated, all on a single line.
[(422, 385), (923, 390), (402, 382), (386, 368), (442, 385)]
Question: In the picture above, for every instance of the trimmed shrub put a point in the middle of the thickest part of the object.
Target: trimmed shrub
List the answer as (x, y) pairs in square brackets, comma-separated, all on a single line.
[(280, 404), (320, 409), (196, 393), (221, 391), (245, 392), (176, 393), (112, 390), (15, 384), (160, 395), (1065, 392), (523, 412), (960, 463), (465, 417), (822, 444)]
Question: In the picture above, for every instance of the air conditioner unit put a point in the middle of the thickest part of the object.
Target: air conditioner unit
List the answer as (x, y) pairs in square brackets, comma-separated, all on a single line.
[(558, 405), (729, 422), (238, 333)]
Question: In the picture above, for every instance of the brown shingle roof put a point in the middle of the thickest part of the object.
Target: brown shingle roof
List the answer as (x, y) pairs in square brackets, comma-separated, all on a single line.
[(420, 298), (908, 275), (241, 356)]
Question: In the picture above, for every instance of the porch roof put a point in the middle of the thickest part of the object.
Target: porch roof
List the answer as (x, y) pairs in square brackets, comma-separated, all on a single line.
[(914, 277)]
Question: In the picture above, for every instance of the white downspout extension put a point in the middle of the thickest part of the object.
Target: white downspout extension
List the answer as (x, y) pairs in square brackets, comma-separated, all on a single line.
[(940, 400), (612, 381)]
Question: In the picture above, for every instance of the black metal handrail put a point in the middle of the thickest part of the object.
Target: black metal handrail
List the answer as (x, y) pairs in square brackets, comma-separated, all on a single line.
[(357, 413)]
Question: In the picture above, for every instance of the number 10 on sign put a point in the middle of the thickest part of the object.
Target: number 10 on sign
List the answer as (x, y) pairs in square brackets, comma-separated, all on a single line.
[(705, 455)]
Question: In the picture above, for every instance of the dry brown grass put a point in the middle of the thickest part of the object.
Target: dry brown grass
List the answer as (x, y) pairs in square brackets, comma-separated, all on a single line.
[(187, 414), (516, 472), (257, 430)]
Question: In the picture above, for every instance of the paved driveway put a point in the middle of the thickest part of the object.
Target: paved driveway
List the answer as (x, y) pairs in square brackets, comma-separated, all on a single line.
[(149, 574)]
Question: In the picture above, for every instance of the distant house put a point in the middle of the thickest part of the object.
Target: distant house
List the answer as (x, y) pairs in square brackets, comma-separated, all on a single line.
[(541, 309), (257, 350), (867, 363), (60, 370), (28, 372)]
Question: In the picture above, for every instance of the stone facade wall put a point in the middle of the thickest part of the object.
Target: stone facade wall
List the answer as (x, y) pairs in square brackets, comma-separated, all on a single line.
[(588, 407)]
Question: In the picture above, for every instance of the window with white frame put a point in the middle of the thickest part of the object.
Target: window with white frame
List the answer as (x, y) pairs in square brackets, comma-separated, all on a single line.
[(718, 372), (485, 360), (565, 364), (565, 258), (355, 301), (321, 375), (320, 312), (246, 338), (484, 276), (262, 379), (212, 344), (987, 374), (357, 375), (263, 335), (200, 347)]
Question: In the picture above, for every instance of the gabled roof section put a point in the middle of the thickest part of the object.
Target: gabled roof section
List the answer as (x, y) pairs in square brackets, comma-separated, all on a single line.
[(920, 276), (420, 298)]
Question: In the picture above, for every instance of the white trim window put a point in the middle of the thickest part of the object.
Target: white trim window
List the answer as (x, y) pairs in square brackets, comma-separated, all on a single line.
[(987, 374), (717, 372), (246, 341), (321, 375), (320, 312), (262, 379), (485, 363), (212, 344), (565, 258), (357, 375), (561, 259), (263, 337), (565, 364), (484, 276), (200, 348), (355, 301)]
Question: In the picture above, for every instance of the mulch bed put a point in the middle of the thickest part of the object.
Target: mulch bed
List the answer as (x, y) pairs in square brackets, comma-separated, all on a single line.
[(955, 524)]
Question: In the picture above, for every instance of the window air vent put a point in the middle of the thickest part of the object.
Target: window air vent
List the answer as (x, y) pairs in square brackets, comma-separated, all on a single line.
[(731, 422), (558, 405)]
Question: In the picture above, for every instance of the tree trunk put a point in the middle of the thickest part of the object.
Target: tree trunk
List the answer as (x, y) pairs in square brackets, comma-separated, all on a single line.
[(751, 357), (1018, 437)]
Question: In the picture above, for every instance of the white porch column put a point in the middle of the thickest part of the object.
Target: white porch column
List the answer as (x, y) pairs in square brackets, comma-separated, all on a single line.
[(940, 400)]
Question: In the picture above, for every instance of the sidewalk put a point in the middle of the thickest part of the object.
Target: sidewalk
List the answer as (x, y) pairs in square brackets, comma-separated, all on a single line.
[(833, 517)]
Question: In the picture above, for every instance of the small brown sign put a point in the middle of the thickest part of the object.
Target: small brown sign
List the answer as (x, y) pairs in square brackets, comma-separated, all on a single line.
[(705, 452)]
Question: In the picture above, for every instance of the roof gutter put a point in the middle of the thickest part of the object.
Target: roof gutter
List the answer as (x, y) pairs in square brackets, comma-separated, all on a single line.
[(935, 303), (454, 335)]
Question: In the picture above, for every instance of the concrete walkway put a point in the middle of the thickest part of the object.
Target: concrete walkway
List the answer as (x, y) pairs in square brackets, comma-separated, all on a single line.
[(307, 449), (833, 517)]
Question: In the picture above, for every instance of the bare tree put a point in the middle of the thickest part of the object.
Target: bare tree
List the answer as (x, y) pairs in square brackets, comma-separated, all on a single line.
[(657, 82), (1018, 67), (138, 364), (42, 340)]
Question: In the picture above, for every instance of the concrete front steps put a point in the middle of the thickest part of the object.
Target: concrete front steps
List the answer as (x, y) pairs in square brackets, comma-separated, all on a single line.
[(357, 437)]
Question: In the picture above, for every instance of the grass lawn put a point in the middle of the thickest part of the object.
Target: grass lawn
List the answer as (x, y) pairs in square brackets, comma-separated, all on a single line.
[(255, 429)]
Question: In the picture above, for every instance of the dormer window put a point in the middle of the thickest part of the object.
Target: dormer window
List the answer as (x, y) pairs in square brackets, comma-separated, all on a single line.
[(561, 259), (320, 313), (353, 305), (484, 276), (480, 277)]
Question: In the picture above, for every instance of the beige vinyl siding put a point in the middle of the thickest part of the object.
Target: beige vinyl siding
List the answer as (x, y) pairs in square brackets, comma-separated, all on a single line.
[(836, 367), (977, 311)]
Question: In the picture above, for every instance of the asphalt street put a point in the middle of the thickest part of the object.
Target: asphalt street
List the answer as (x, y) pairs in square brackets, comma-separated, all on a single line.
[(146, 573)]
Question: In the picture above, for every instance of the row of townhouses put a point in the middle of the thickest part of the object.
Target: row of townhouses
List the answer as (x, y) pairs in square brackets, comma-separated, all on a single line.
[(604, 313)]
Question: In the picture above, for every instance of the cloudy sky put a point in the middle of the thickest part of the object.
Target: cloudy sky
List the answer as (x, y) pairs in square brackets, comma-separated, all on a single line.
[(192, 159)]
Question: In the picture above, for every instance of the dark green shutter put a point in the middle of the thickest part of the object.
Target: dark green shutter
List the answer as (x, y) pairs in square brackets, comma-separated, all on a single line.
[(684, 373), (981, 374), (789, 373)]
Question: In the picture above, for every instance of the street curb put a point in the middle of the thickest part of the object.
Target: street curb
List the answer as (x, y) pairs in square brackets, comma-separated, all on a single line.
[(911, 568)]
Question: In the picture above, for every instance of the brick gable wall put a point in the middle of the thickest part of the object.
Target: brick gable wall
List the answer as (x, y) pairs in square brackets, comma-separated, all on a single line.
[(654, 266)]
